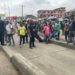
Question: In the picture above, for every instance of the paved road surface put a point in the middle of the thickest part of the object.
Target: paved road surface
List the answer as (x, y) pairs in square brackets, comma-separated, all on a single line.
[(6, 68), (50, 58)]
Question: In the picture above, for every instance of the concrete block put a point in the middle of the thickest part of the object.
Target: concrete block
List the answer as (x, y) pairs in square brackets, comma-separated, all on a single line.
[(24, 66)]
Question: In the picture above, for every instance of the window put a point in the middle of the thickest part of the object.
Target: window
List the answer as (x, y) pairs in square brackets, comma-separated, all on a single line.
[(44, 12), (54, 11), (51, 12)]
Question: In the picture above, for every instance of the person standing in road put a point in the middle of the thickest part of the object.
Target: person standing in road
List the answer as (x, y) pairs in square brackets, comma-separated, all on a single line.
[(53, 30), (10, 32), (66, 30), (58, 30), (31, 34), (2, 31), (70, 34), (21, 33), (73, 27), (46, 31)]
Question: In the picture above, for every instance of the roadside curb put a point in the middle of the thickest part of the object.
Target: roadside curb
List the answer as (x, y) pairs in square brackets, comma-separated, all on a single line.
[(66, 45), (24, 66)]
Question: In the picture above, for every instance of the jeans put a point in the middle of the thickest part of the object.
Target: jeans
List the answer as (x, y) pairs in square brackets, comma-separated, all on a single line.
[(2, 38), (58, 35), (10, 38), (31, 42), (46, 39), (26, 38), (71, 37), (66, 35), (53, 35), (22, 39)]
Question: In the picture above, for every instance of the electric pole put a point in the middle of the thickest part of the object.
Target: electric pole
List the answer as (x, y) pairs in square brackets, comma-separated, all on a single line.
[(22, 11), (9, 11)]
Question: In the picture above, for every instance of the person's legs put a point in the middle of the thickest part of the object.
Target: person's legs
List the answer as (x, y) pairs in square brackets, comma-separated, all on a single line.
[(26, 38), (12, 39), (71, 37), (2, 40), (48, 38), (5, 37), (31, 41), (9, 38), (23, 39), (58, 36), (45, 38), (20, 40), (66, 35), (53, 34)]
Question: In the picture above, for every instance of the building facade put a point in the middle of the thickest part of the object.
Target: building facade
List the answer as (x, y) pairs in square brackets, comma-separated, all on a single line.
[(59, 12), (70, 13)]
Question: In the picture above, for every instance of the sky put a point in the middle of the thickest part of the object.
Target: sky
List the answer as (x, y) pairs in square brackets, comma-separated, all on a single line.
[(14, 7)]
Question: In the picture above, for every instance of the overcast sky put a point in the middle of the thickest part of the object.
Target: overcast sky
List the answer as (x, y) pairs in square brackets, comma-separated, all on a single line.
[(31, 6)]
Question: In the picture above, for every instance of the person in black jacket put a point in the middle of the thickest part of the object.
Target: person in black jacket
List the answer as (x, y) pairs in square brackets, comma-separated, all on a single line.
[(73, 22), (2, 30), (73, 25), (31, 34)]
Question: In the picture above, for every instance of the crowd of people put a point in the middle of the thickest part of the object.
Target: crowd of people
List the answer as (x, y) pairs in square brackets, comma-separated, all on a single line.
[(28, 31), (25, 30), (52, 30)]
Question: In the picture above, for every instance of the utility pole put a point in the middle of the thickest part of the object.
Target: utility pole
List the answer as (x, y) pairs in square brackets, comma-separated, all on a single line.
[(9, 11), (22, 11)]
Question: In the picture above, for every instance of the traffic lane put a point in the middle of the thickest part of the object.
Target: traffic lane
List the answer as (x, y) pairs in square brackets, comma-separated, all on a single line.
[(50, 58), (39, 50)]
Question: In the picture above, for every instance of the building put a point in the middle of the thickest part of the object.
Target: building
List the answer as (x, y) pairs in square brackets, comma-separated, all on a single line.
[(70, 13), (30, 16), (12, 18), (59, 12)]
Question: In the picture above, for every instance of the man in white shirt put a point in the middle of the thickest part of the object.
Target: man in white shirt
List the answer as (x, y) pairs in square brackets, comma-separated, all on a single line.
[(9, 33)]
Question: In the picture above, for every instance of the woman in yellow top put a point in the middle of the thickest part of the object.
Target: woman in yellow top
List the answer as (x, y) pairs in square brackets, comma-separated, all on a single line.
[(22, 32)]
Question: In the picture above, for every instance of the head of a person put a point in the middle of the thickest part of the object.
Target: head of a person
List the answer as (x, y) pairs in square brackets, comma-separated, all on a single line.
[(30, 20), (10, 22), (72, 17), (57, 21), (21, 24), (47, 23), (53, 22)]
